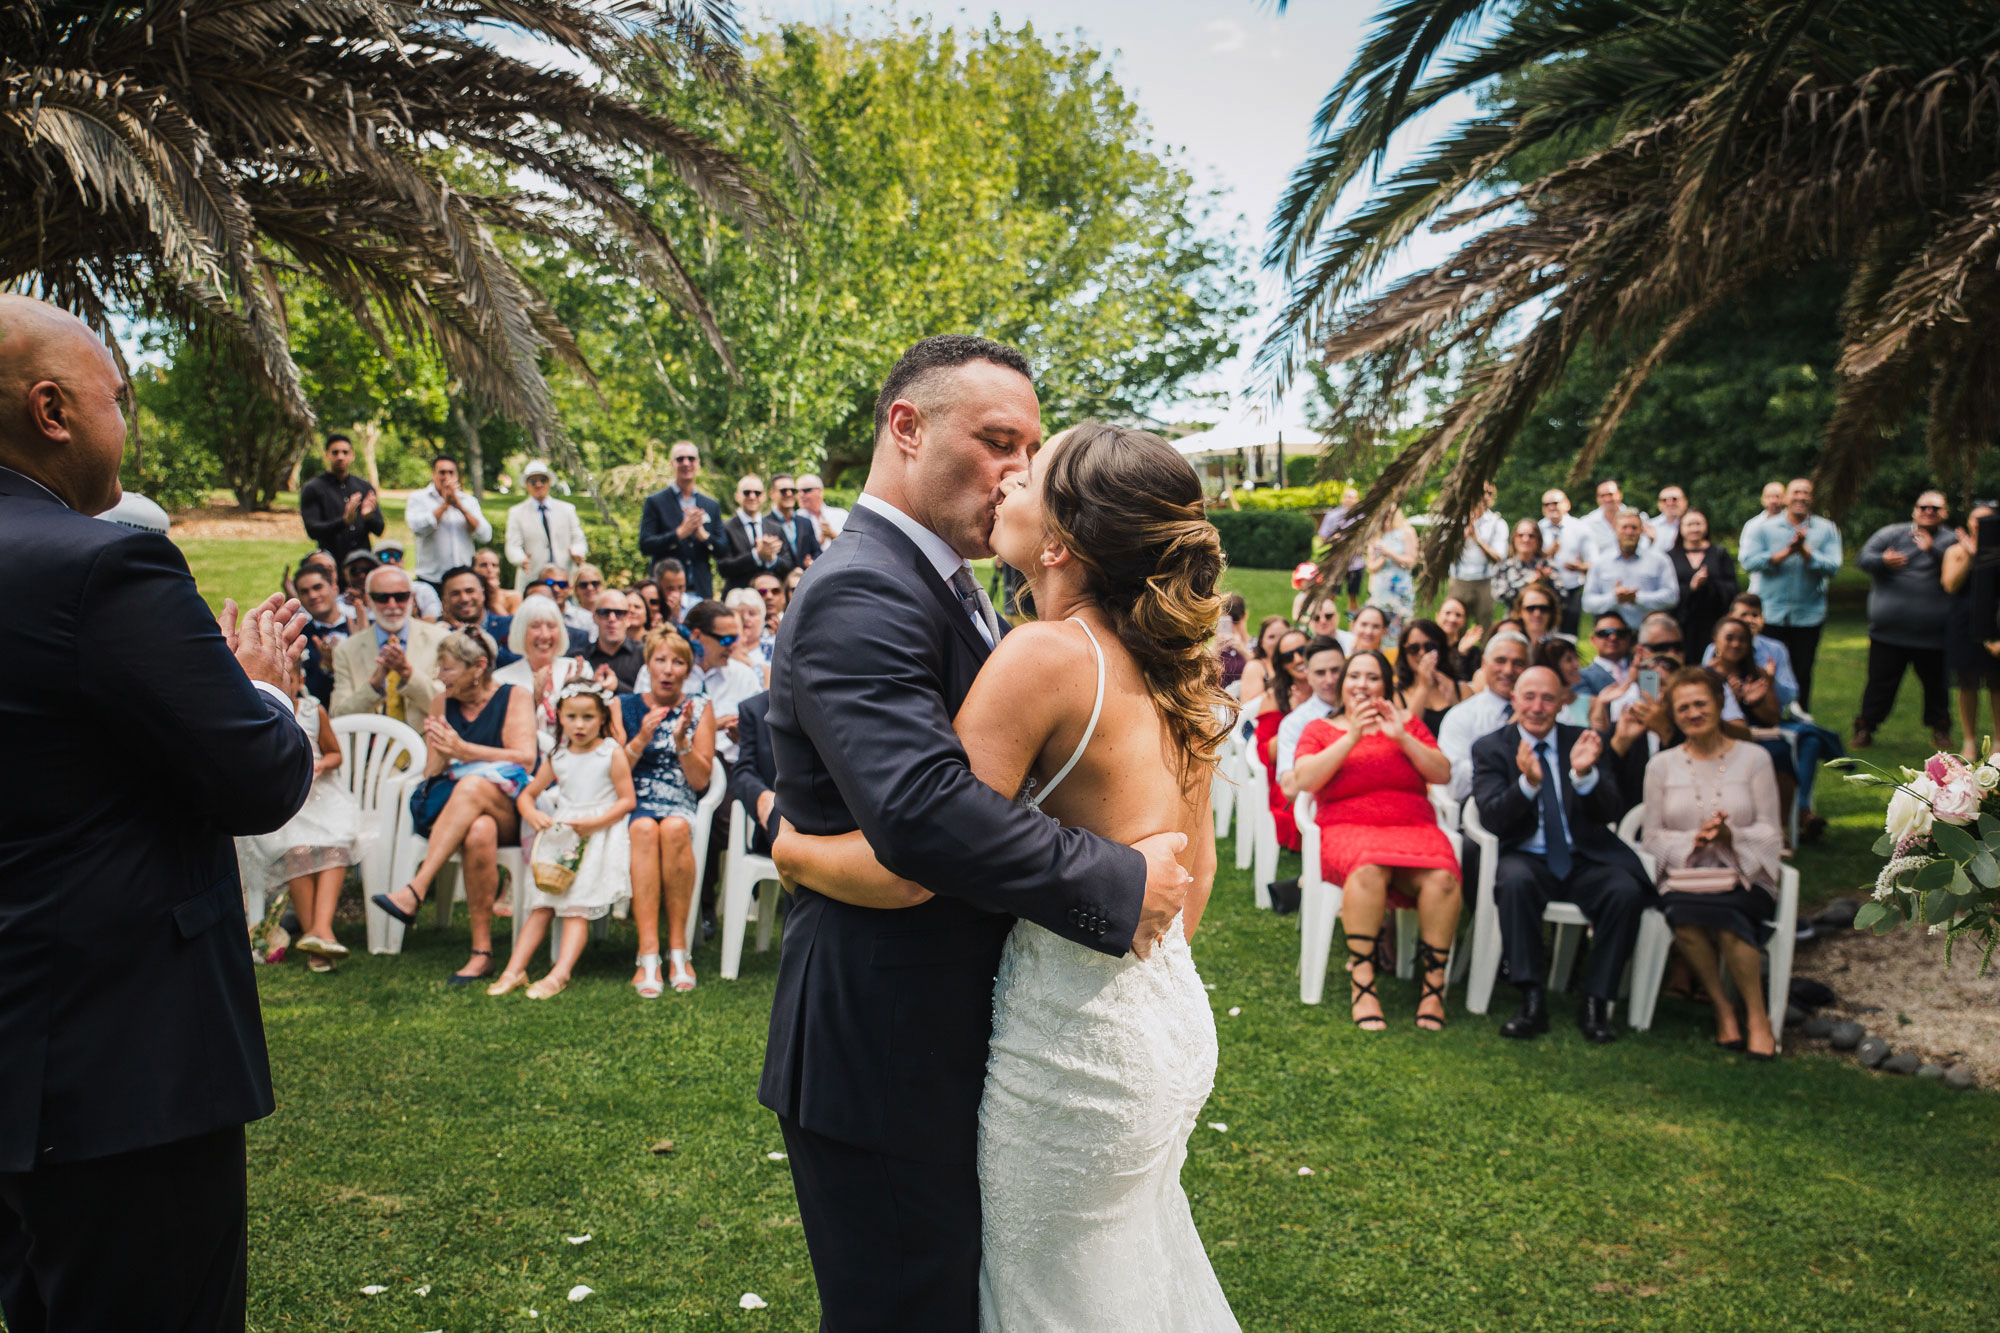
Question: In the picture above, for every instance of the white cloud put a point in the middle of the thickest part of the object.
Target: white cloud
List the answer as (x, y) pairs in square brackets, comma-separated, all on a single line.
[(1227, 34)]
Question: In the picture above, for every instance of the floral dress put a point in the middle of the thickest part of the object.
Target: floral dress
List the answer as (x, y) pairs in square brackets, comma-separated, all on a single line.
[(1392, 589), (658, 780)]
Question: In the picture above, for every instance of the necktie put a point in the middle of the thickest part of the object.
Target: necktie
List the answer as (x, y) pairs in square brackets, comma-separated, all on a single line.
[(791, 535), (974, 599), (548, 536), (1555, 842)]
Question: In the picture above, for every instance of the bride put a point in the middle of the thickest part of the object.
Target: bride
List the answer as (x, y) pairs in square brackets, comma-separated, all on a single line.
[(1102, 714)]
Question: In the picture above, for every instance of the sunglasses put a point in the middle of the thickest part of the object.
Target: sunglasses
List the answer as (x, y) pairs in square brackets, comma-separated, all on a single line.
[(1663, 646), (1611, 634), (608, 615), (552, 583), (788, 490), (1326, 615), (1930, 509), (390, 557), (748, 491), (589, 583), (1537, 608), (384, 598), (1291, 653), (1552, 504), (726, 640)]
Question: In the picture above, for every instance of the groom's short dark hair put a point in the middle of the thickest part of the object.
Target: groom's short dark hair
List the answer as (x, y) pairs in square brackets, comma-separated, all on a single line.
[(942, 353)]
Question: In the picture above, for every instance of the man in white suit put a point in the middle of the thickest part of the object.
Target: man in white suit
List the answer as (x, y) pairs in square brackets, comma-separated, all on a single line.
[(542, 531)]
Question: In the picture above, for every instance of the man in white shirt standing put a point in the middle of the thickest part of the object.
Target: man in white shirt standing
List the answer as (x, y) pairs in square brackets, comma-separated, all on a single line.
[(812, 499), (1773, 501), (1562, 536), (1600, 528), (541, 530), (446, 523), (1484, 713), (1666, 528), (1630, 579), (1485, 547)]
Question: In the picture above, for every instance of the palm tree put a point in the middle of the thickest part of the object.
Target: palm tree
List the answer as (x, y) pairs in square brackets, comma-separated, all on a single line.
[(1695, 150), (179, 159)]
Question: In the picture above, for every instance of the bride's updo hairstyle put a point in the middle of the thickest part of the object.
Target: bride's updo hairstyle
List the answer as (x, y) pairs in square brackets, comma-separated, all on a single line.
[(1128, 507)]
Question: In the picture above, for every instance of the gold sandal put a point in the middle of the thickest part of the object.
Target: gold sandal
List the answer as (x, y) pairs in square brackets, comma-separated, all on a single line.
[(508, 981), (548, 988)]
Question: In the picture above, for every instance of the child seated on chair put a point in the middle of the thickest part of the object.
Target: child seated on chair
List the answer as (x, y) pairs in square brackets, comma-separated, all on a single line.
[(593, 783), (310, 853)]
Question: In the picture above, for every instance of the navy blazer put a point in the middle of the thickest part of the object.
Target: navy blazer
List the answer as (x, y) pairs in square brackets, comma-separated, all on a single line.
[(134, 748), (756, 768), (804, 547), (880, 1025), (736, 555), (659, 524), (1512, 818)]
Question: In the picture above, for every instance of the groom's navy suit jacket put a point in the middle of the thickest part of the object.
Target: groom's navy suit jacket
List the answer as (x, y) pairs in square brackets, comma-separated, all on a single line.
[(880, 1026), (131, 748)]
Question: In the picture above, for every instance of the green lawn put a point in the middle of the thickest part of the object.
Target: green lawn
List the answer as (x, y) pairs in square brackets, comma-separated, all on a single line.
[(437, 1141)]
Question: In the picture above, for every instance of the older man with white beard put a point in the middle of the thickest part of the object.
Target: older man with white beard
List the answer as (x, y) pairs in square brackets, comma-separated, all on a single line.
[(390, 667)]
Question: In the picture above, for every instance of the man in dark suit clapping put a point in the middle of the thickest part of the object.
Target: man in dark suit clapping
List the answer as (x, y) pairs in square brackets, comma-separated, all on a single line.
[(792, 525), (131, 1049), (683, 523), (1543, 793)]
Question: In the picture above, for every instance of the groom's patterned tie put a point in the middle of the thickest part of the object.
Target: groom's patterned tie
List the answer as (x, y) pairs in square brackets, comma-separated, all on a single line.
[(976, 603)]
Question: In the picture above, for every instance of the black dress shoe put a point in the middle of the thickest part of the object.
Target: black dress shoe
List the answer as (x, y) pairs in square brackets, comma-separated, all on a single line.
[(1594, 1019), (1532, 1019)]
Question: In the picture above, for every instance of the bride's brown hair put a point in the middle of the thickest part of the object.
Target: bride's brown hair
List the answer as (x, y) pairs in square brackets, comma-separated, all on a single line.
[(1128, 507)]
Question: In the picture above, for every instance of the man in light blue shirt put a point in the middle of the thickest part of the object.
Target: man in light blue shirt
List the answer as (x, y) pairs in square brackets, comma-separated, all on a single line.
[(1630, 580), (1774, 506), (1795, 555)]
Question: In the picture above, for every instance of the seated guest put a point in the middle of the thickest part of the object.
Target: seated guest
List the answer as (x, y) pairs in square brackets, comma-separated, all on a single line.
[(429, 606), (1257, 671), (1525, 564), (1539, 608), (1704, 573), (1712, 826), (670, 741), (1323, 618), (1508, 626), (1462, 635), (354, 572), (1559, 655), (1231, 646), (326, 627), (499, 601), (1482, 713), (1633, 579), (792, 584), (553, 584), (1659, 654), (481, 735), (386, 668), (580, 611), (1612, 667), (1542, 793), (464, 596), (1771, 654), (1370, 767), (1324, 661), (1287, 690), (616, 657), (544, 664), (1424, 683), (751, 638), (1752, 698), (647, 616), (1371, 626), (675, 599), (713, 630), (755, 772)]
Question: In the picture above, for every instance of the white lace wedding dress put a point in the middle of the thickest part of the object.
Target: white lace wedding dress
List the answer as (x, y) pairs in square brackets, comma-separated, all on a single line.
[(1099, 1067)]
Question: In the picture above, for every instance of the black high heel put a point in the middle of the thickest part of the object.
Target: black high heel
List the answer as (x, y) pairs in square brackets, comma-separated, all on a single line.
[(1431, 959), (388, 904), (1356, 958)]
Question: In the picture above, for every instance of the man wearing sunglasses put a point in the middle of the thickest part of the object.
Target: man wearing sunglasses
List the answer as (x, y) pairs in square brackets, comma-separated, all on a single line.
[(1907, 611), (552, 583), (1613, 639), (747, 548), (799, 533), (390, 667), (616, 651), (684, 523), (812, 499)]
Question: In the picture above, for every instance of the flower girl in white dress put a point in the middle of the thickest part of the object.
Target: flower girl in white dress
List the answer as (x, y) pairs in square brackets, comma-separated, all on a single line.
[(312, 851), (593, 787)]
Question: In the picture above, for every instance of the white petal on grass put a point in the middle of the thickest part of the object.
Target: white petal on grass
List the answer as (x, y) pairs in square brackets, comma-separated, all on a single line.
[(1305, 1170), (1218, 1126), (424, 1290), (1208, 985), (775, 1156), (577, 1240), (750, 1300), (578, 1292), (373, 1289), (1232, 1013)]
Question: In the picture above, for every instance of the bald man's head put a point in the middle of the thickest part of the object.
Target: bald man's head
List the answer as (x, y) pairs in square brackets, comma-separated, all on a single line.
[(62, 419), (1537, 699)]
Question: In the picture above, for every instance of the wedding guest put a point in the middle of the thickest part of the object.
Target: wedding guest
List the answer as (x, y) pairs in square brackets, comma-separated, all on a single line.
[(354, 572), (1323, 618), (830, 519), (1712, 827), (481, 737), (552, 585), (1665, 527), (799, 532), (1773, 501), (792, 584), (545, 663), (615, 659), (1370, 768), (543, 531), (1483, 713), (1338, 519), (326, 628), (1463, 636), (1562, 539), (745, 545), (1392, 562), (754, 643), (1796, 554), (1752, 696), (1371, 626), (387, 667), (1771, 655), (311, 853), (500, 601), (1661, 648), (1324, 661), (1424, 684), (1706, 575), (1539, 609), (1630, 579), (1543, 794), (464, 595), (428, 605), (1972, 650), (675, 598), (340, 510), (1598, 530), (1257, 671), (712, 631), (446, 522), (1559, 655), (1484, 548), (1287, 690), (1525, 564), (1614, 640), (670, 741), (1231, 647), (684, 523), (647, 616), (754, 775), (771, 589), (580, 612), (1907, 610)]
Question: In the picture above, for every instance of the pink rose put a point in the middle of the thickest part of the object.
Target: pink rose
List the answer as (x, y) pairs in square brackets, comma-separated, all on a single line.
[(1942, 768), (1957, 801)]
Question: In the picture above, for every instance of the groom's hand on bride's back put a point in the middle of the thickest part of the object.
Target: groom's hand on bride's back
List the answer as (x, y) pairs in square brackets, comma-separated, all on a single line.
[(1167, 884)]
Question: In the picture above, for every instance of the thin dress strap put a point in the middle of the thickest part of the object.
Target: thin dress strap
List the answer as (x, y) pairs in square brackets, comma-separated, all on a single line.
[(1034, 800)]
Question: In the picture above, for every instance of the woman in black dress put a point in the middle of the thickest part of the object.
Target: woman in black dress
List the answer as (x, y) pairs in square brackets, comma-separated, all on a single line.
[(1707, 576), (1972, 665)]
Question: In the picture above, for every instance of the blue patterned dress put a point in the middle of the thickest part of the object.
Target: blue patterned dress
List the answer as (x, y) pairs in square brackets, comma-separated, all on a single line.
[(659, 782)]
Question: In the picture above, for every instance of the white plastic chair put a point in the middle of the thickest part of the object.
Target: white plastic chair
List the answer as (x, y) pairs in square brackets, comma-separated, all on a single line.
[(1649, 957), (1319, 908), (703, 831), (408, 849), (1259, 851), (743, 871), (1228, 777), (380, 760)]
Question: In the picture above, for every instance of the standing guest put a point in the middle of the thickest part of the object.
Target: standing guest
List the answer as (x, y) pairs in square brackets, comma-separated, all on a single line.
[(754, 775), (1424, 683), (1545, 797), (1631, 580), (1479, 558), (500, 601), (1970, 641), (326, 627), (1612, 667), (747, 547), (1324, 662), (464, 597), (340, 510), (481, 739), (829, 519), (131, 1053), (387, 668), (670, 741), (1907, 611), (753, 641), (1539, 609), (1526, 563), (1712, 821), (616, 658), (1485, 712), (1371, 627), (309, 856), (1323, 618), (1263, 655), (428, 605), (1392, 562), (1773, 502), (1288, 689), (1795, 556), (1231, 647), (545, 663), (1665, 527), (684, 523), (1370, 768), (543, 531), (1562, 540), (771, 589), (446, 522), (1598, 530), (1338, 519), (1706, 575), (799, 531), (1464, 637)]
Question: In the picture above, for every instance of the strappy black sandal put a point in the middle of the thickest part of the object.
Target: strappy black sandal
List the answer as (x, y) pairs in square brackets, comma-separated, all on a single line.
[(460, 979), (1357, 957), (388, 904), (1431, 959)]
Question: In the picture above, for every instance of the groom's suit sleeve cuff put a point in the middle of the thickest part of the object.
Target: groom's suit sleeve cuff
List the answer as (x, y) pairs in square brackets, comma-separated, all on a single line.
[(277, 696)]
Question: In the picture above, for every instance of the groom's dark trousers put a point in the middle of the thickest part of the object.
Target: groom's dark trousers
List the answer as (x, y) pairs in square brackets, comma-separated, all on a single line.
[(131, 1048), (879, 1030)]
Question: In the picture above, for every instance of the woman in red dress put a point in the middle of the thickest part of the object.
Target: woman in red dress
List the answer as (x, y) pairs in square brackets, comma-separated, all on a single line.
[(1370, 766), (1287, 690)]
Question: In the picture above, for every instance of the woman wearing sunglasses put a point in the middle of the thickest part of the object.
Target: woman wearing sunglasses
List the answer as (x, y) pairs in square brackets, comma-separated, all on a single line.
[(1539, 609), (1425, 685), (1287, 690), (1525, 565)]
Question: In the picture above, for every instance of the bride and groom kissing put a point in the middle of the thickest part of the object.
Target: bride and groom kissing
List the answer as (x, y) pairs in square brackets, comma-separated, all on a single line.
[(989, 1043)]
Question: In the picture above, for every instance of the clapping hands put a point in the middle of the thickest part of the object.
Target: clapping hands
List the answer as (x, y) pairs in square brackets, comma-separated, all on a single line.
[(1714, 832), (1583, 755)]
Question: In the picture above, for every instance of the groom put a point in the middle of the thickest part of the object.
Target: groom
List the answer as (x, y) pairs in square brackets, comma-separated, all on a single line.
[(879, 1029)]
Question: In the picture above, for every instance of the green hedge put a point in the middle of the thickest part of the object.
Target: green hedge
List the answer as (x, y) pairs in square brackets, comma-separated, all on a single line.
[(1320, 495), (1264, 539)]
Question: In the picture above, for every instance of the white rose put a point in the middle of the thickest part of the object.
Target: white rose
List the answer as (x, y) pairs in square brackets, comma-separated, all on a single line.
[(1987, 777), (1910, 810)]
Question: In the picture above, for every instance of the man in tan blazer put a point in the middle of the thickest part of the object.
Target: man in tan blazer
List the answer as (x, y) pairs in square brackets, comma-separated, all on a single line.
[(391, 666)]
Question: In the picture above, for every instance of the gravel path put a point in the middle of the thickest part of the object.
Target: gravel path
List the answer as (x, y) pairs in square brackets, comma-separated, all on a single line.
[(1948, 1015)]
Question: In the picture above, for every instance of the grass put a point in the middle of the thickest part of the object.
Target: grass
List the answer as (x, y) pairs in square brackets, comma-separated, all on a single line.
[(435, 1139)]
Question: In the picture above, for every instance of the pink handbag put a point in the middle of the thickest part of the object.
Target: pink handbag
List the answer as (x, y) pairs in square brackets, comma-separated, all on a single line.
[(1700, 879)]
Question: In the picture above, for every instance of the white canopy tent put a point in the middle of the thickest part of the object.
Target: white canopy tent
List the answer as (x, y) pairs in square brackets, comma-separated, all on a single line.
[(1248, 450)]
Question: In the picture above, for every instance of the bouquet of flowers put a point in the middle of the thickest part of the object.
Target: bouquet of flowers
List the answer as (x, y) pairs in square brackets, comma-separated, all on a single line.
[(1941, 841), (558, 852)]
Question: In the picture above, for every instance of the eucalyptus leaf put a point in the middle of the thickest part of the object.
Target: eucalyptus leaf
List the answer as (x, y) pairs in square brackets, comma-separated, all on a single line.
[(1985, 868), (1962, 887), (1989, 828), (1939, 906), (1935, 875), (1954, 841), (1884, 845), (1870, 913)]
